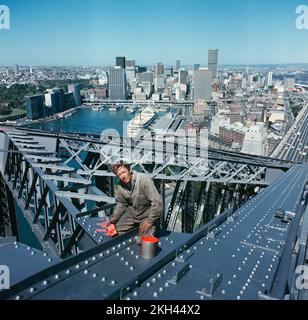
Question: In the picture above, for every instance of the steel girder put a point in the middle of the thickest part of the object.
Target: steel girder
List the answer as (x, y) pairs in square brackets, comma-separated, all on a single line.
[(53, 197), (218, 167)]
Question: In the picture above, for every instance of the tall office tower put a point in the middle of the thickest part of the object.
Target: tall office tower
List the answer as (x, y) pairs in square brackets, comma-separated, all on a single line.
[(130, 74), (202, 84), (212, 62), (60, 99), (34, 106), (141, 69), (168, 71), (117, 84), (147, 77), (15, 68), (158, 69), (159, 83), (270, 78), (50, 103), (75, 89), (130, 64), (177, 65), (183, 76), (120, 62), (70, 100)]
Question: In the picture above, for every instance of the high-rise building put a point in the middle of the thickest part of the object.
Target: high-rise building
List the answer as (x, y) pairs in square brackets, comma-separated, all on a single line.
[(141, 69), (269, 78), (202, 84), (130, 64), (34, 106), (158, 69), (120, 62), (54, 101), (70, 100), (75, 89), (177, 65), (130, 74), (183, 76), (60, 99), (117, 84), (50, 103), (16, 68), (159, 84), (168, 71), (147, 76), (213, 61)]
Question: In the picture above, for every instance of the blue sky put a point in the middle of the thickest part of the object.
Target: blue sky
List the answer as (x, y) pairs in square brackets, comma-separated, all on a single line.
[(93, 32)]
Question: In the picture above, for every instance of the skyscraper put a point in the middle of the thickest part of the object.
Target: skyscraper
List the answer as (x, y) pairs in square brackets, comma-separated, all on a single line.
[(177, 65), (34, 107), (269, 78), (16, 69), (117, 84), (75, 89), (202, 84), (120, 62), (213, 61), (130, 64), (158, 69), (183, 75)]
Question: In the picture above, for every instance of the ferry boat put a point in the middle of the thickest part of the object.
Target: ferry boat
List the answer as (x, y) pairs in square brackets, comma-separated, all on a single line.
[(97, 108), (140, 121)]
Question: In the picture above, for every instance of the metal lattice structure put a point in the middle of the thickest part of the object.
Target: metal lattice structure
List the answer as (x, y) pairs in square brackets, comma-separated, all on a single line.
[(64, 187)]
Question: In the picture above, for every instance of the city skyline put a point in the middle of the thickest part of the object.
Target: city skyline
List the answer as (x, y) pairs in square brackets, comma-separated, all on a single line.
[(95, 32)]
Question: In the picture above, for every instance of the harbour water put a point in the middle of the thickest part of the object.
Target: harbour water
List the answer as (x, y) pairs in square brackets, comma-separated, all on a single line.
[(88, 121)]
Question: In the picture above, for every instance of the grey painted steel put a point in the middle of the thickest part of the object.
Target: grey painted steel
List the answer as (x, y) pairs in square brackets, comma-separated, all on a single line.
[(235, 256)]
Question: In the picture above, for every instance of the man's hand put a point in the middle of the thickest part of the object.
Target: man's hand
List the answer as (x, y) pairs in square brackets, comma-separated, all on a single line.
[(108, 222), (145, 225)]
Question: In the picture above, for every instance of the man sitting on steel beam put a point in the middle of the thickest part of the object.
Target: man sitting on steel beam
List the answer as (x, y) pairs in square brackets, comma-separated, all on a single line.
[(138, 202)]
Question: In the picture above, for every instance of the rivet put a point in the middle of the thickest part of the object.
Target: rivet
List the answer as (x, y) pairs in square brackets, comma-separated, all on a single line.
[(45, 282), (113, 282), (86, 272), (94, 275), (103, 279), (155, 294), (68, 271), (57, 276)]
